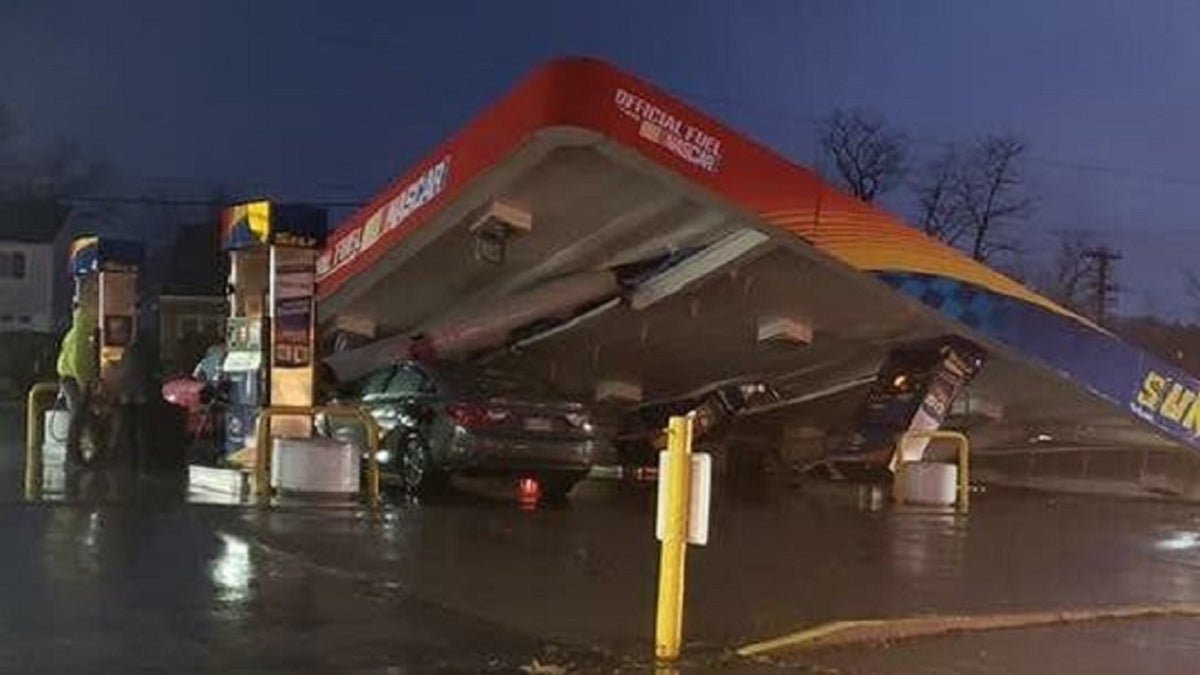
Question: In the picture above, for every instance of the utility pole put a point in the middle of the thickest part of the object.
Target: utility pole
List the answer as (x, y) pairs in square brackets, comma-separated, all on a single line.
[(1103, 258)]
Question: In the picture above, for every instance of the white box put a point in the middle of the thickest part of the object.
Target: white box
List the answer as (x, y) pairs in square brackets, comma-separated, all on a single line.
[(929, 483), (316, 465), (54, 436), (227, 483)]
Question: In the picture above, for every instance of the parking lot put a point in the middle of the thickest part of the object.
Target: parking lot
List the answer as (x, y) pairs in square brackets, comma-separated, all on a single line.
[(468, 582)]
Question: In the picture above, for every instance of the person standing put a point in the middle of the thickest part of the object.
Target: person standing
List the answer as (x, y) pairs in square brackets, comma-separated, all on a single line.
[(77, 366), (136, 387)]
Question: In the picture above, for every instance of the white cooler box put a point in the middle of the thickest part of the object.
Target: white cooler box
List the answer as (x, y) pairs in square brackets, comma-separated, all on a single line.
[(314, 465), (929, 483), (54, 437)]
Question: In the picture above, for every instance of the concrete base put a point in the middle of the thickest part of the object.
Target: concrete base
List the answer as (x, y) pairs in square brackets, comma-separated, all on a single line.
[(219, 484)]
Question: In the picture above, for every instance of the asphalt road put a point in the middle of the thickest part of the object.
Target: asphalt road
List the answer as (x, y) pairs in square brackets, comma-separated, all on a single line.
[(583, 575), (141, 581)]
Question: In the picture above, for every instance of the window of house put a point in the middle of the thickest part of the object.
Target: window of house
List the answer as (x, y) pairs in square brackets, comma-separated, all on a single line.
[(12, 265)]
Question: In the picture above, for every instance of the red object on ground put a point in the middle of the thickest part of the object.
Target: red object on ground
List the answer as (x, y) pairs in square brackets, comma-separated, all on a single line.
[(185, 392), (528, 491)]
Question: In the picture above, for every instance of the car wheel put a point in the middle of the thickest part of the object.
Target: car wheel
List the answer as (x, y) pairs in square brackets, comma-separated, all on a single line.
[(417, 472)]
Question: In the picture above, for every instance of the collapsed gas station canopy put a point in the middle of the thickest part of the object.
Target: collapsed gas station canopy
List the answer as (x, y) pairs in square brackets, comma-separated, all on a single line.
[(667, 253)]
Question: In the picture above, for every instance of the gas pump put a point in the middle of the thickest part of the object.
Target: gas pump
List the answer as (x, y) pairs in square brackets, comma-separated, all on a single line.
[(270, 343), (105, 273), (912, 392)]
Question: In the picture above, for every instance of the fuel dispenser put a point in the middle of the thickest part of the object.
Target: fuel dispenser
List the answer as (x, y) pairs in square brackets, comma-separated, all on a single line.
[(911, 396), (105, 274), (270, 344)]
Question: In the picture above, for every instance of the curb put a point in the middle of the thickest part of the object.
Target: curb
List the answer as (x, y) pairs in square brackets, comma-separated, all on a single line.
[(840, 633)]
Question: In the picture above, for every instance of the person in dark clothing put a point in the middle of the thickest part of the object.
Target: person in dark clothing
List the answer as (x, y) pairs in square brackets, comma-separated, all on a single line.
[(136, 389)]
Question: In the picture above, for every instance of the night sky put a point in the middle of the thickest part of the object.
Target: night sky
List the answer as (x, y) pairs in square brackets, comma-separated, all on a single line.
[(328, 101)]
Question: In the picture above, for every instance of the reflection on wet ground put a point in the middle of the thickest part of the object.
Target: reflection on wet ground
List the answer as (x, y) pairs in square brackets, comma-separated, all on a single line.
[(778, 561), (127, 576), (115, 589)]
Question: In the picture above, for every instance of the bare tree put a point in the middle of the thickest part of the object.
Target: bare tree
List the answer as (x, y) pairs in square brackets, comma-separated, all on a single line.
[(935, 188), (967, 197), (1071, 273), (992, 193), (868, 155)]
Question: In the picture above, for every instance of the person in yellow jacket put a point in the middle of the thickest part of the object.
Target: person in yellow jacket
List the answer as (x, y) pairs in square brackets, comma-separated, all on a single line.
[(77, 367)]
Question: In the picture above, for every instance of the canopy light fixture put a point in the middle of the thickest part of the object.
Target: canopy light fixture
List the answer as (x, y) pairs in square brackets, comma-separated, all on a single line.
[(491, 231)]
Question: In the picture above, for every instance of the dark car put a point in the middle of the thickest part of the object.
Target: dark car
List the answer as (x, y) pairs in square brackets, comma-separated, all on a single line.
[(439, 419)]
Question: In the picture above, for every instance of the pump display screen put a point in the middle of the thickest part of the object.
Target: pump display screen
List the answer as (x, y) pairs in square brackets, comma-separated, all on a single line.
[(118, 331)]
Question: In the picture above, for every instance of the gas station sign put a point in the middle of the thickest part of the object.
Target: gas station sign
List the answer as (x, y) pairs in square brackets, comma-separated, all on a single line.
[(264, 223)]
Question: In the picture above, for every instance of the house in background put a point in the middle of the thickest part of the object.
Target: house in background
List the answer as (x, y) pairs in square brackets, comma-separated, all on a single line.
[(31, 272), (29, 231), (191, 296)]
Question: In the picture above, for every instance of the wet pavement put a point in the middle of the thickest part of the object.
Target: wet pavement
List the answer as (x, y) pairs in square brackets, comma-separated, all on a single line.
[(584, 574), (472, 584), (122, 589)]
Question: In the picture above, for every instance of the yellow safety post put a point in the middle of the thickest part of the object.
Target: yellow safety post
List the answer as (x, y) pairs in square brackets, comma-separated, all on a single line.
[(962, 449), (262, 441), (677, 474), (36, 404), (262, 472)]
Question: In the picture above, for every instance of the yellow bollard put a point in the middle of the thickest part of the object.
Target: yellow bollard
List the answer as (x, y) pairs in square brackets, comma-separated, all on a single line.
[(962, 449), (373, 473), (262, 457), (672, 561), (262, 453), (35, 407), (964, 474)]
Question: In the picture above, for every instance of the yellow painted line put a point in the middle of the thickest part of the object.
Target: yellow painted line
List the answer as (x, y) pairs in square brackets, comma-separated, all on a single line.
[(908, 628), (809, 635)]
